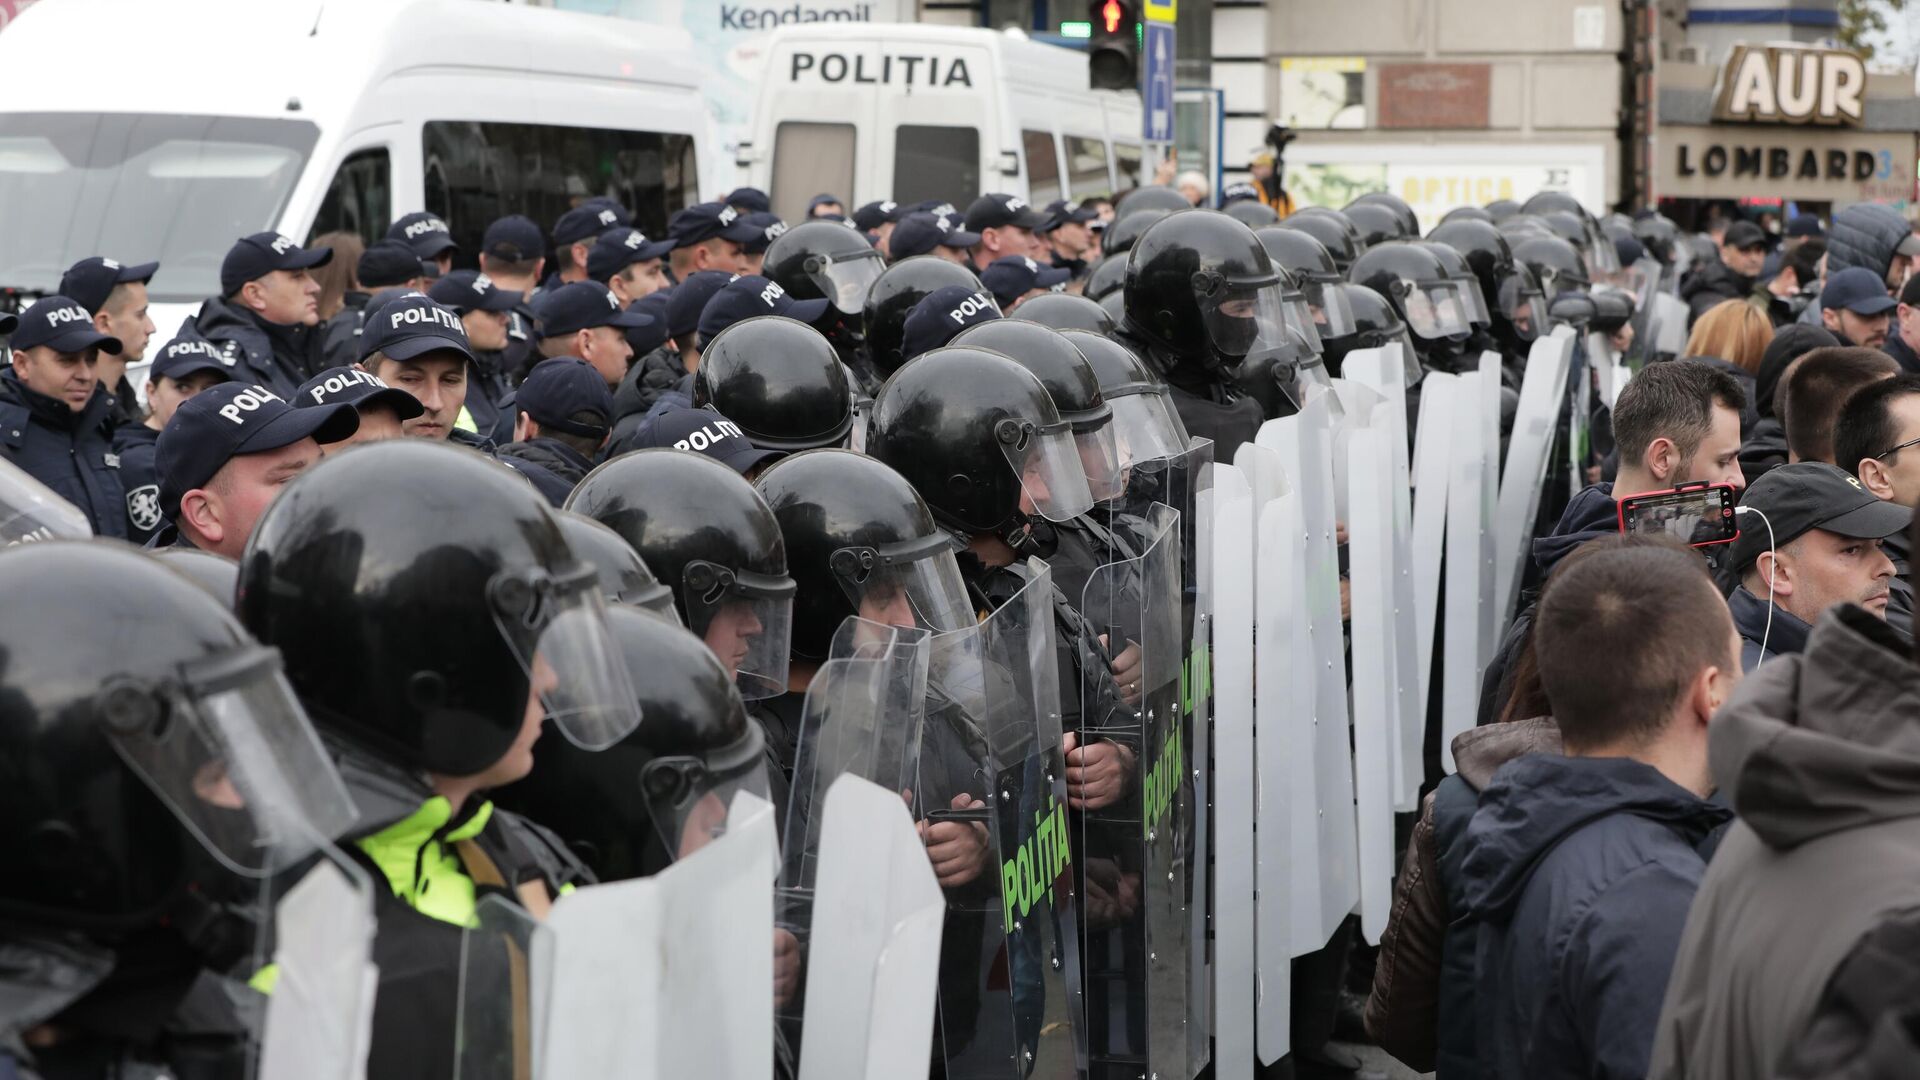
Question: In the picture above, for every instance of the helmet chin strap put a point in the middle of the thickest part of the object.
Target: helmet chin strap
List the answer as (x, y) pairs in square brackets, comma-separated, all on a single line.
[(1030, 536)]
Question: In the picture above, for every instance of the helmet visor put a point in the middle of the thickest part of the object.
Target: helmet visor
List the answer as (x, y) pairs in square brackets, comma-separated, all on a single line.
[(915, 583), (1053, 482), (1601, 254), (691, 800), (556, 626), (1327, 305), (746, 619), (1241, 318), (1435, 309), (229, 750), (1099, 449), (1637, 279), (1144, 429), (1523, 304), (846, 279), (1474, 299)]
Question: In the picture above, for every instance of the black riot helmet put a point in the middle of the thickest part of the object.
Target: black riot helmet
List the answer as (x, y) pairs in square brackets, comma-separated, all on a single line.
[(825, 260), (1271, 381), (976, 434), (1556, 263), (1509, 287), (1470, 292), (1591, 242), (903, 285), (636, 807), (1065, 311), (1202, 290), (1378, 224), (1144, 419), (1315, 273), (217, 574), (624, 575), (1252, 213), (1109, 277), (127, 695), (1658, 234), (1502, 209), (1376, 325), (411, 585), (1332, 229), (702, 529), (1409, 221), (1119, 237), (779, 380), (1071, 383), (1151, 197), (1466, 213), (860, 541), (1422, 293)]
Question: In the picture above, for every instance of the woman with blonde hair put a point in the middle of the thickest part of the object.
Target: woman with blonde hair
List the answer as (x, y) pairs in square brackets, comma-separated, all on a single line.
[(1733, 335), (336, 278)]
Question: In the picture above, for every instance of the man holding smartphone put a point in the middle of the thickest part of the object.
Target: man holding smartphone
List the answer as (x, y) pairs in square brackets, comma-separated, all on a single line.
[(1822, 550)]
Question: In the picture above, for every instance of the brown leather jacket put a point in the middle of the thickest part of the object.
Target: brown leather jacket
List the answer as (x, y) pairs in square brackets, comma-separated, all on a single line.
[(1404, 1008)]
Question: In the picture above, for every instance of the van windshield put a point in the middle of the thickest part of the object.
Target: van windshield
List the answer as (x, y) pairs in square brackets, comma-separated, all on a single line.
[(137, 187)]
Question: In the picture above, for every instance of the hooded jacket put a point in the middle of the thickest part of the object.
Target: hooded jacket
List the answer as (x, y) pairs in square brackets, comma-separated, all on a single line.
[(1712, 284), (1764, 450), (1580, 871), (1786, 636), (1421, 1006), (1821, 758), (1865, 234), (277, 357)]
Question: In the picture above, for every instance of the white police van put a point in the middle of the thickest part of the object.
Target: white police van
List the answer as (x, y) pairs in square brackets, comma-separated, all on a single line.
[(144, 130), (908, 111)]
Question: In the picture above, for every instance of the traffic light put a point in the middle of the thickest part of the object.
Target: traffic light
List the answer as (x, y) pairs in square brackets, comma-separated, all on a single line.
[(1113, 51)]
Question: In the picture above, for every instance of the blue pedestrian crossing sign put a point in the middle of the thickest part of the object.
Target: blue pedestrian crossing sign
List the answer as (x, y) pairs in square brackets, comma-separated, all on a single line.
[(1156, 86)]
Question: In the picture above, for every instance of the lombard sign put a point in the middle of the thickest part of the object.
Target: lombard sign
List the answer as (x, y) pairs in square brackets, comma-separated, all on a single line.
[(1774, 84)]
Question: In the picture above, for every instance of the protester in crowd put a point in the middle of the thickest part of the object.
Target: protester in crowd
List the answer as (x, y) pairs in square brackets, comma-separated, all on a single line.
[(1856, 308), (1797, 959), (1731, 274), (1809, 540), (1903, 334), (1877, 439), (1875, 238), (1733, 335), (1797, 281), (1815, 388), (1193, 186), (1766, 446), (1580, 868)]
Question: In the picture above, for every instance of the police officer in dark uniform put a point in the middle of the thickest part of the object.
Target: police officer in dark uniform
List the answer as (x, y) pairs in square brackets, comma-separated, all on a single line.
[(264, 318), (820, 260), (625, 578), (1512, 292), (942, 315), (488, 313), (893, 296), (512, 256), (1066, 311), (780, 381), (54, 412), (563, 413), (428, 237), (184, 368), (432, 617)]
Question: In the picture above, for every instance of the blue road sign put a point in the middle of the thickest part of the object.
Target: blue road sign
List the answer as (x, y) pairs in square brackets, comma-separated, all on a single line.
[(1156, 87)]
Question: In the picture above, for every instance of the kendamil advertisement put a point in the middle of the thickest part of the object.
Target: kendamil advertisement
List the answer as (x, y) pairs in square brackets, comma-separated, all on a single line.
[(727, 40)]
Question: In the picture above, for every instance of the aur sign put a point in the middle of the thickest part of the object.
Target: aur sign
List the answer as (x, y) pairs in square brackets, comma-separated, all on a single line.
[(1767, 84)]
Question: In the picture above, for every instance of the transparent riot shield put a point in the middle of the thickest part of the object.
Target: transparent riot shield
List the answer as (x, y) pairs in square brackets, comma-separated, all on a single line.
[(1278, 696), (1432, 462), (1669, 325), (1233, 760), (1371, 549), (1542, 391), (319, 1020), (30, 511), (1470, 504), (1010, 996), (874, 946), (502, 1008), (1132, 842), (863, 717)]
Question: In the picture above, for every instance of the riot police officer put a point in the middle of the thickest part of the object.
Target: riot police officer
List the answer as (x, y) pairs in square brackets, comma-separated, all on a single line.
[(779, 380), (625, 577), (1333, 230), (892, 298), (1425, 297), (825, 260), (1511, 291), (1065, 311)]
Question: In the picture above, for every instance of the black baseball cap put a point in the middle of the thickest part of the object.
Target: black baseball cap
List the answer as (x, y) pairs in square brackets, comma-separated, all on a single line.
[(412, 324), (388, 263), (940, 316), (825, 198), (770, 229), (1812, 495), (514, 238), (706, 432), (1000, 210), (62, 324), (582, 305), (1858, 290), (223, 422), (586, 221), (562, 386), (254, 257), (471, 290), (92, 279), (870, 217), (1240, 192), (358, 388), (425, 233), (1804, 225), (921, 232), (750, 199), (1066, 212), (1743, 235), (645, 339), (704, 221), (689, 299), (751, 295), (1015, 276), (621, 247), (186, 356)]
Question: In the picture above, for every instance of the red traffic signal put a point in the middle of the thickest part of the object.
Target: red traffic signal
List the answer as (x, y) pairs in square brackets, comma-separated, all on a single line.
[(1113, 53)]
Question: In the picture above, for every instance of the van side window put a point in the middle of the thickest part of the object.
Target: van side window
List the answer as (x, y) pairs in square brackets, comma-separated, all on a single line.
[(809, 159), (1127, 158), (936, 162), (1087, 166), (1043, 167), (360, 198), (476, 172)]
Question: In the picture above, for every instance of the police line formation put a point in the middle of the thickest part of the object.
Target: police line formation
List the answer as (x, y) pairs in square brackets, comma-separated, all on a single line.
[(1007, 642)]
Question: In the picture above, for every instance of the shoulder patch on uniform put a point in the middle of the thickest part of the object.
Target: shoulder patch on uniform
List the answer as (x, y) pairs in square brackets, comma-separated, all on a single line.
[(143, 507)]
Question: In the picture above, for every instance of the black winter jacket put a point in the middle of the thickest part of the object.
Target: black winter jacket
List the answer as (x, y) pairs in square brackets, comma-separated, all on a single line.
[(141, 480), (1865, 234), (69, 452), (1713, 284), (279, 358)]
